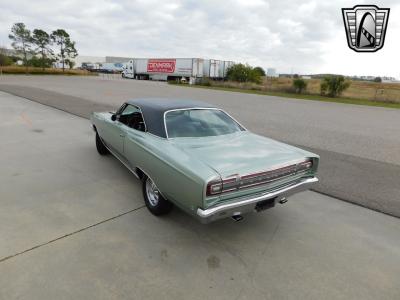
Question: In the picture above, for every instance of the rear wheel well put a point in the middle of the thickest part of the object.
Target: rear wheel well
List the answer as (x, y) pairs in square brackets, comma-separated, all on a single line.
[(140, 173)]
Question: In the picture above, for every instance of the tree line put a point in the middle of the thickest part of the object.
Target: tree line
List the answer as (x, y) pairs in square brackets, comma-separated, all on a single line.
[(245, 73), (330, 85), (56, 46)]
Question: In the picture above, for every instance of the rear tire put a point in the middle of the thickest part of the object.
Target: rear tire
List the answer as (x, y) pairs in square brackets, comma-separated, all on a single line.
[(100, 146), (153, 199)]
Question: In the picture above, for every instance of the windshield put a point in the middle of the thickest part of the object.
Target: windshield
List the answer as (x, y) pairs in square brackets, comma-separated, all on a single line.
[(199, 123)]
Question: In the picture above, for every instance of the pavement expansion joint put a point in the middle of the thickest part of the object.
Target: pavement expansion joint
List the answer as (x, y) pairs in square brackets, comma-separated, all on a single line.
[(70, 234)]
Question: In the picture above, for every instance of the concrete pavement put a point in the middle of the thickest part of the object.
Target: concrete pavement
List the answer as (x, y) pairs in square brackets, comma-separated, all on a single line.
[(73, 226)]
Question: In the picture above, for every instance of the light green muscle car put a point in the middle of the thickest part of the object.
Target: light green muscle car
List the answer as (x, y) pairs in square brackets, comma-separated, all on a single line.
[(197, 157)]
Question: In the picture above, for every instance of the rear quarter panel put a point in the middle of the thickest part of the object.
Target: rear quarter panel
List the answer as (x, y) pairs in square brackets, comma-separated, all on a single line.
[(180, 178)]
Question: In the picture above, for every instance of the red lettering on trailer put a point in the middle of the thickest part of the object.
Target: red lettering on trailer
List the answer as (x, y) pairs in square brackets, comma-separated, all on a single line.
[(161, 65)]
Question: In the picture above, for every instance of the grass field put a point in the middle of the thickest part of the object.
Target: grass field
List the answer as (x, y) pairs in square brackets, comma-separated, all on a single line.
[(364, 90), (359, 92), (39, 71)]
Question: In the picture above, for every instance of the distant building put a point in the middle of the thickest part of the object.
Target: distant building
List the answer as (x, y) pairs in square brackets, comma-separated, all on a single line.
[(285, 75), (271, 72), (13, 52), (389, 79), (117, 59), (99, 60), (370, 78), (88, 59)]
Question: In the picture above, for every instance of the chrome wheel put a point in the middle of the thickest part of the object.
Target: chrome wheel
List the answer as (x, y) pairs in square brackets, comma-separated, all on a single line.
[(152, 192)]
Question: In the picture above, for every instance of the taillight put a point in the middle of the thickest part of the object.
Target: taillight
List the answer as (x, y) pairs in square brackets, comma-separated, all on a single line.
[(305, 165), (214, 188)]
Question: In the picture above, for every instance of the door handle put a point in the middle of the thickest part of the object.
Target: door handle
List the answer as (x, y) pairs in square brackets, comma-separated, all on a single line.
[(122, 135)]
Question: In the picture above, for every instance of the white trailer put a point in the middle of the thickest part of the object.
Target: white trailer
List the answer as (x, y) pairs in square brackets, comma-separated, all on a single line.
[(164, 68), (216, 69), (227, 65)]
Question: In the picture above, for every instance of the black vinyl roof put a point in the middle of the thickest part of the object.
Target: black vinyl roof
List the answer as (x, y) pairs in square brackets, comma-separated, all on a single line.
[(153, 110)]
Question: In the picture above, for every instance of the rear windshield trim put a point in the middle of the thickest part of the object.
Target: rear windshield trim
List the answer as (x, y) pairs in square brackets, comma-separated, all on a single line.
[(199, 108)]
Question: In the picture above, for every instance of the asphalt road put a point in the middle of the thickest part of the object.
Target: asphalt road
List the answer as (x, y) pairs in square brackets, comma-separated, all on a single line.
[(359, 145), (73, 226)]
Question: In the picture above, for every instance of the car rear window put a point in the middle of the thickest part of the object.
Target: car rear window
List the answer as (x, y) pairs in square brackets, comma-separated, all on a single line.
[(199, 123)]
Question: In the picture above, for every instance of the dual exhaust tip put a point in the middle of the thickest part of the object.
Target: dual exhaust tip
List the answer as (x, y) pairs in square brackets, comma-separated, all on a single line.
[(238, 217)]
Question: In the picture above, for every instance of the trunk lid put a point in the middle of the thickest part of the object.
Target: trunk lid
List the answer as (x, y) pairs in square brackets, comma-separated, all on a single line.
[(240, 153)]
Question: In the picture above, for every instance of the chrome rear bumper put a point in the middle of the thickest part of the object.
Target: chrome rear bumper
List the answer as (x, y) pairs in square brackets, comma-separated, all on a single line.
[(244, 205)]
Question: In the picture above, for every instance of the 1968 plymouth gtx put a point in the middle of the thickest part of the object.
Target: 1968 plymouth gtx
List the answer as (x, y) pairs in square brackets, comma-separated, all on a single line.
[(196, 156)]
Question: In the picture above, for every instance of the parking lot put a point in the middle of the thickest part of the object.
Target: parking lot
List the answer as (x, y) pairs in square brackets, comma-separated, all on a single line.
[(73, 225)]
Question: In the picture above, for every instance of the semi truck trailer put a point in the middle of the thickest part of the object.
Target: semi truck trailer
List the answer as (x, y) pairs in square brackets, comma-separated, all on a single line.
[(190, 69), (164, 68), (216, 69)]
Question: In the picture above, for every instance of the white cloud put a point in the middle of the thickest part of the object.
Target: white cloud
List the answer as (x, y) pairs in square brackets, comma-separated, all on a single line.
[(306, 37)]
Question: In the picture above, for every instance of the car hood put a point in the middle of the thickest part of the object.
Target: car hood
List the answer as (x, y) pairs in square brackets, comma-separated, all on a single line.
[(240, 153)]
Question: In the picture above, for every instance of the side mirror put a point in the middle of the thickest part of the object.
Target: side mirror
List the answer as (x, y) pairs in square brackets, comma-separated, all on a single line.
[(113, 117)]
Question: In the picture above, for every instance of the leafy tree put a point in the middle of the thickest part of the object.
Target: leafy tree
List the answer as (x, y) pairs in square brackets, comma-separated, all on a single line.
[(254, 76), (378, 79), (334, 85), (238, 72), (4, 59), (41, 39), (67, 47), (324, 88), (11, 59), (243, 73), (259, 70), (299, 84), (14, 58), (39, 62), (21, 41), (70, 63)]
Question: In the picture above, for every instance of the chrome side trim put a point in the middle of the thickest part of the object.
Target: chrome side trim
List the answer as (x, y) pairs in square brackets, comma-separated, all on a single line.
[(129, 168), (246, 205), (116, 156)]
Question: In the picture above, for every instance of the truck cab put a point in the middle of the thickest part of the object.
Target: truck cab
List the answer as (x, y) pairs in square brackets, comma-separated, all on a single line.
[(129, 70)]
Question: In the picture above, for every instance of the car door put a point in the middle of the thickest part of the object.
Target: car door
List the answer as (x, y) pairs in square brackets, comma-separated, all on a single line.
[(115, 131), (113, 135), (134, 143)]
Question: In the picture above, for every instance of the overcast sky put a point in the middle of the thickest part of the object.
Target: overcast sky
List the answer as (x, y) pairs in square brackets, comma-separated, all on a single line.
[(289, 35)]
